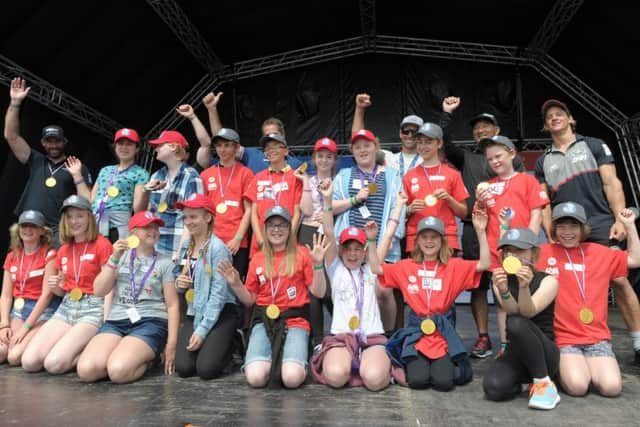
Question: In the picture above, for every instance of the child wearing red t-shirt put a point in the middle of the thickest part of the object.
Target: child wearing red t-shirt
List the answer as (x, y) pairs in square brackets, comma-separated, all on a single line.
[(81, 257), (429, 348), (519, 194), (274, 186), (26, 268), (584, 271), (279, 280)]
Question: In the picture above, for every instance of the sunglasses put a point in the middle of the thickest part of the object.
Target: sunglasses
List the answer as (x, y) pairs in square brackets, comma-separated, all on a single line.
[(406, 131)]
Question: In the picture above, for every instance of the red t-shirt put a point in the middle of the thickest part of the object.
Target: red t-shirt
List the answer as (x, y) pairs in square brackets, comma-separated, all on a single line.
[(269, 188), (418, 183), (602, 265), (224, 187), (32, 270), (291, 292), (87, 264), (521, 193), (449, 281)]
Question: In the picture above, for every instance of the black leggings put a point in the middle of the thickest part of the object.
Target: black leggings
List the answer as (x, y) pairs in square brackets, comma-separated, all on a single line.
[(529, 354), (423, 372), (216, 350)]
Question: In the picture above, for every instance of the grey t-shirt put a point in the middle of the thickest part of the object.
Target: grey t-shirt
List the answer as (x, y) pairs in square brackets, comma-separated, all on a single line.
[(150, 301)]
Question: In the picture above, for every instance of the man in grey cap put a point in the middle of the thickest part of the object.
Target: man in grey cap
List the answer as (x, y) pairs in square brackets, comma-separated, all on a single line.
[(52, 176), (407, 158)]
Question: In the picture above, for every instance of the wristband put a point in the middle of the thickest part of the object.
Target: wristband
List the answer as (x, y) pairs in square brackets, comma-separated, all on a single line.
[(506, 295), (504, 227), (238, 237), (26, 326), (318, 267), (329, 209), (371, 240), (114, 260), (394, 220), (78, 181), (111, 265), (14, 104)]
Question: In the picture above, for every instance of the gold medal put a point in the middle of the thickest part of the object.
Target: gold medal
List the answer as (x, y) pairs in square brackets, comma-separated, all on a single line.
[(511, 265), (113, 191), (428, 326), (372, 187), (273, 312), (586, 315), (162, 206), (303, 167), (133, 241), (190, 295), (354, 322), (75, 294), (430, 200), (483, 186), (221, 208), (50, 182), (18, 304)]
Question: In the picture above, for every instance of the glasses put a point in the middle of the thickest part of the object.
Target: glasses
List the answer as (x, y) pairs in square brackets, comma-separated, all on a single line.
[(276, 148), (406, 131), (278, 226)]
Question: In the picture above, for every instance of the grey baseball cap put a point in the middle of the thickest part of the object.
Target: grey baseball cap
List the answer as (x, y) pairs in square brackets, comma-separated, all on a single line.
[(412, 120), (569, 210), (278, 211), (431, 223), (53, 131), (522, 238), (497, 140), (430, 130), (75, 201), (31, 217), (226, 134), (483, 117), (272, 137)]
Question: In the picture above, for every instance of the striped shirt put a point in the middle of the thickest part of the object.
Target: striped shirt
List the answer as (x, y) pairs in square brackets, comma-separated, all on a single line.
[(375, 201)]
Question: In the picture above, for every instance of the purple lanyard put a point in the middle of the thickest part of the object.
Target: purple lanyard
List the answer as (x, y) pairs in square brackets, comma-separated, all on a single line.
[(428, 176), (401, 163), (228, 180), (358, 292), (319, 192), (582, 285), (277, 198), (363, 174), (76, 272), (430, 287), (136, 289), (24, 277), (103, 201)]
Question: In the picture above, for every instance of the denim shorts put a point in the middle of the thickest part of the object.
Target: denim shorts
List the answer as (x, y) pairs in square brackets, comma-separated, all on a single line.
[(151, 330), (296, 346), (29, 305), (599, 349), (90, 309)]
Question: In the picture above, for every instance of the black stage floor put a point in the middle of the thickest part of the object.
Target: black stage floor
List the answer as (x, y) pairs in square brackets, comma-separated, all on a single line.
[(43, 400)]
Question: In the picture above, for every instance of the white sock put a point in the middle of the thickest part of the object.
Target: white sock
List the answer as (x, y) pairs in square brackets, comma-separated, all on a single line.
[(635, 337), (542, 380)]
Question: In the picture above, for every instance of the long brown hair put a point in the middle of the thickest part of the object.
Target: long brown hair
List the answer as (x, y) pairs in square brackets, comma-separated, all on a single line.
[(65, 233), (192, 245), (288, 265)]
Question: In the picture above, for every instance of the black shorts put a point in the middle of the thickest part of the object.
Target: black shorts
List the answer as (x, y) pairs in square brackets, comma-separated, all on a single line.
[(470, 245)]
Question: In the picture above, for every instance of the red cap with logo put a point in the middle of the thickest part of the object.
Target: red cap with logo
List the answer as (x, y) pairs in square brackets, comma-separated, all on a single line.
[(197, 200), (326, 144), (170, 137), (126, 133), (363, 134), (353, 233), (144, 218)]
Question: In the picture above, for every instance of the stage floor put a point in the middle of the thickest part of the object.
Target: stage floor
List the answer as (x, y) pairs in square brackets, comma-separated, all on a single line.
[(44, 400)]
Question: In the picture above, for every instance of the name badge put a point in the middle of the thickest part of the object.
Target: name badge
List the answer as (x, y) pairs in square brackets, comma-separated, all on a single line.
[(233, 203), (426, 273), (574, 267), (291, 293), (264, 183), (436, 178), (133, 314), (357, 184), (36, 273), (87, 257), (281, 186), (434, 284), (364, 211)]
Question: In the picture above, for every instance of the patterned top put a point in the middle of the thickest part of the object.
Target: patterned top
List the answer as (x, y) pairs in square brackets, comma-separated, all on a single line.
[(125, 181)]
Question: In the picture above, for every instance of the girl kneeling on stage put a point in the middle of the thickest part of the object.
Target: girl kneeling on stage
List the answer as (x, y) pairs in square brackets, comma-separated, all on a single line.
[(429, 348), (136, 330), (354, 353), (279, 280)]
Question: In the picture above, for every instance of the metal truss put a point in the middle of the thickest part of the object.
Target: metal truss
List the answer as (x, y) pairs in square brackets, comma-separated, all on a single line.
[(57, 100), (175, 18), (629, 143), (368, 17), (556, 21)]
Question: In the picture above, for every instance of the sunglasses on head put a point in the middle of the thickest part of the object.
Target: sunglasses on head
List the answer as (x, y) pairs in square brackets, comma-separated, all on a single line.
[(408, 131)]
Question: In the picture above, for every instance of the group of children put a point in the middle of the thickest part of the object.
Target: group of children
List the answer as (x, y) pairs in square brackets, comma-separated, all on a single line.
[(123, 290)]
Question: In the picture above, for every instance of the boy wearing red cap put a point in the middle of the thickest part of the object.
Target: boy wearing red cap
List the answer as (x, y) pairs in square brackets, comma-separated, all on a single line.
[(172, 183), (119, 188)]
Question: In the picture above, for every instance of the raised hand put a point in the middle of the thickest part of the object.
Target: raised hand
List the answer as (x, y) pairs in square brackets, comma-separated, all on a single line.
[(186, 110), (363, 100), (73, 166), (500, 280), (211, 100), (228, 272), (479, 218), (320, 246), (18, 90), (627, 216), (371, 230), (450, 104), (524, 275), (119, 247), (326, 188), (503, 218)]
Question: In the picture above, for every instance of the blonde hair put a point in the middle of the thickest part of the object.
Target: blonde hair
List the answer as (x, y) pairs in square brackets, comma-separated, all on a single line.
[(180, 152), (276, 122), (192, 245), (443, 255), (16, 244), (64, 231), (288, 265)]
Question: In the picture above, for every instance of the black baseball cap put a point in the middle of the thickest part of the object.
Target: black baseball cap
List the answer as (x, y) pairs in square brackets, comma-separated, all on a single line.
[(484, 117)]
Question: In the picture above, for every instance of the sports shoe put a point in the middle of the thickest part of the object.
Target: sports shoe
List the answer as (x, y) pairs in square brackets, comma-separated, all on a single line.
[(482, 348), (543, 395)]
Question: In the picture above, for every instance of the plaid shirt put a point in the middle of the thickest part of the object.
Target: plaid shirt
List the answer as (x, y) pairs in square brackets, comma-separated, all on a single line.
[(186, 182)]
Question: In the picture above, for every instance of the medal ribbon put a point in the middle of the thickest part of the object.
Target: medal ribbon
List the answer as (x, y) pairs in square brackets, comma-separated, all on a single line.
[(228, 180), (277, 198), (582, 285), (430, 288), (103, 202), (274, 291), (358, 293), (76, 272), (53, 172), (370, 178), (401, 163), (191, 263), (428, 176), (136, 289), (23, 277)]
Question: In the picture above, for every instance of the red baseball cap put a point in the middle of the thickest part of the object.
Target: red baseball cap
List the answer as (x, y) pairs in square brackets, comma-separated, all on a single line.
[(126, 133), (144, 218), (353, 233), (170, 137), (364, 134), (197, 200), (326, 144)]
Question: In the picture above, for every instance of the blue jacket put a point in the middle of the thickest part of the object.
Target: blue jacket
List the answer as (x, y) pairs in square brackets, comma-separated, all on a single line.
[(211, 290), (394, 186)]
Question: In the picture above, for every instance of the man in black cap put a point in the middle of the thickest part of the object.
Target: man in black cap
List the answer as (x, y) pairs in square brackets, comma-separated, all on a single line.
[(53, 176), (474, 168), (577, 168)]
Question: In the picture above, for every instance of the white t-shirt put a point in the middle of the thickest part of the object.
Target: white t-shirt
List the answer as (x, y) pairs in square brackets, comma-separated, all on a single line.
[(344, 299), (393, 160)]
